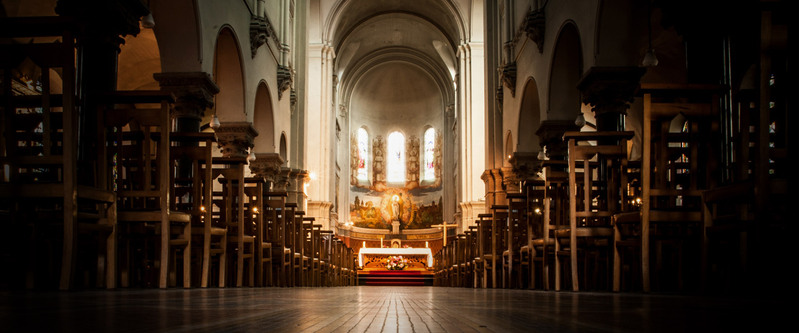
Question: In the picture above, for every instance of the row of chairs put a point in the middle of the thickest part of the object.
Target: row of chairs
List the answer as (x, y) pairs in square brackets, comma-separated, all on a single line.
[(138, 205), (598, 221)]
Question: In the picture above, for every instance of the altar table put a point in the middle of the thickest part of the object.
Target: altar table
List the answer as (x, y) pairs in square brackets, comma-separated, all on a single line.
[(417, 255)]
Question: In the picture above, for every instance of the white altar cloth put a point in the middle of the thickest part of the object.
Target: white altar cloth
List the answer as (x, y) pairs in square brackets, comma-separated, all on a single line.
[(396, 252)]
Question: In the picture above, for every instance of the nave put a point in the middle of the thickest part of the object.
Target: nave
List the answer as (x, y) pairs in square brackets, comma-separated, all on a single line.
[(388, 309)]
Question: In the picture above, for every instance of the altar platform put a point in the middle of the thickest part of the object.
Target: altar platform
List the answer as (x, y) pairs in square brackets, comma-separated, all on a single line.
[(374, 272)]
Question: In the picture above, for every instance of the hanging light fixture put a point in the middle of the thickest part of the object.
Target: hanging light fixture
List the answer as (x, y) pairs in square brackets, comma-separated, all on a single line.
[(148, 22), (215, 122), (650, 60)]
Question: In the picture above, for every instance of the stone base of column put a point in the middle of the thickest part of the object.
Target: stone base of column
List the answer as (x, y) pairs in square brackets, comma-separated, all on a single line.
[(320, 211), (469, 212)]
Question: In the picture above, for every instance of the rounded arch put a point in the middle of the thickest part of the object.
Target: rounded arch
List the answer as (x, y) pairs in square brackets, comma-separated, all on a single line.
[(529, 118), (178, 34), (229, 76), (395, 157), (565, 73), (284, 151), (508, 148), (264, 120), (139, 59)]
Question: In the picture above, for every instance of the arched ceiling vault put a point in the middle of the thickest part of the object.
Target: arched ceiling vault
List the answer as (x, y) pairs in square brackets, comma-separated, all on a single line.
[(425, 34)]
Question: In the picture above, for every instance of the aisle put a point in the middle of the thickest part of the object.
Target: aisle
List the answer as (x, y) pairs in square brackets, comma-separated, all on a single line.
[(383, 309)]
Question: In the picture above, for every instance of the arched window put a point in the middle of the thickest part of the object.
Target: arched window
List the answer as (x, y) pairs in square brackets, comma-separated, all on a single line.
[(363, 154), (429, 169), (395, 166)]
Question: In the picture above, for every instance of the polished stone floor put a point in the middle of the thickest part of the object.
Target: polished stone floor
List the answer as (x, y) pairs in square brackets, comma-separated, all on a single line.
[(388, 309)]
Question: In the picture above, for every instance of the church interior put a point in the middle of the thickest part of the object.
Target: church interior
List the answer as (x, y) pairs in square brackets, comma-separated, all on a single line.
[(447, 162)]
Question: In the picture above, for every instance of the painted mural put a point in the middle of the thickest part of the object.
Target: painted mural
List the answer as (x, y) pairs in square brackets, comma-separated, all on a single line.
[(378, 209)]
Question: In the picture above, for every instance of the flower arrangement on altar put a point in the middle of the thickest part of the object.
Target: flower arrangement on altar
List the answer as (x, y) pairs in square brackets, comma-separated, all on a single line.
[(396, 263)]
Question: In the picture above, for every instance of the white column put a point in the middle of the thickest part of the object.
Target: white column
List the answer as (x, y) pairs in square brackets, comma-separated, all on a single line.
[(472, 128), (319, 131)]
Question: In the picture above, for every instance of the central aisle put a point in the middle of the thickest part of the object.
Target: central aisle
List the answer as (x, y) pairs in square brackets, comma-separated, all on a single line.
[(381, 309)]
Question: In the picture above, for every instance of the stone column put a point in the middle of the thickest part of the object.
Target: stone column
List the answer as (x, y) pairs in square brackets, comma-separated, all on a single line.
[(235, 138), (609, 90), (102, 26), (194, 93), (268, 167), (550, 135), (295, 180)]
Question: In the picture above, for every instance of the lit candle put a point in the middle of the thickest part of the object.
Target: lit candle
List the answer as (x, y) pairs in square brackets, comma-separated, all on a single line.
[(381, 242), (364, 244), (426, 244)]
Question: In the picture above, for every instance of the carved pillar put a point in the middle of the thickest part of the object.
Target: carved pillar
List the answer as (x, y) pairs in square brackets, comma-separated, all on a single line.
[(194, 93), (235, 138), (609, 90), (524, 166), (268, 167), (294, 183), (495, 194), (103, 24), (550, 135)]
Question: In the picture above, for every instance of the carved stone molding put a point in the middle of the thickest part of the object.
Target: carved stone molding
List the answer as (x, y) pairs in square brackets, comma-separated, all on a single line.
[(260, 31), (194, 92), (267, 166), (524, 166), (235, 138), (508, 76), (610, 89), (534, 25), (550, 135), (510, 180), (285, 77)]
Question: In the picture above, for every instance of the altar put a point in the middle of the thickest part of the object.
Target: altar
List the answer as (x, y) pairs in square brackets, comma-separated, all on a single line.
[(374, 258)]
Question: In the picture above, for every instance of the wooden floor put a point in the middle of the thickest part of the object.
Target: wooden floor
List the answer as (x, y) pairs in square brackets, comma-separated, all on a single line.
[(385, 309)]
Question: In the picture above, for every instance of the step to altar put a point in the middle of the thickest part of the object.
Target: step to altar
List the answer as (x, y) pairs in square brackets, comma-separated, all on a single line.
[(375, 277)]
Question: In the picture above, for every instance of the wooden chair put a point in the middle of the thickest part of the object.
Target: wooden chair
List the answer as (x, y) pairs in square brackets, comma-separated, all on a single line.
[(318, 262), (679, 156), (230, 203), (192, 191), (328, 266), (484, 230), (254, 189), (138, 138), (517, 240), (555, 216), (307, 244), (592, 201), (276, 213), (41, 193)]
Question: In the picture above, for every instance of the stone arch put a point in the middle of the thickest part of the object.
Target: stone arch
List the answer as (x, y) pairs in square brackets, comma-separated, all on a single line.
[(178, 35), (565, 74), (530, 118), (139, 58), (229, 76), (284, 148), (508, 148), (263, 120)]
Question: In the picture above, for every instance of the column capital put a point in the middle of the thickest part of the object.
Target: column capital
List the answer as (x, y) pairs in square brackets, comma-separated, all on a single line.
[(267, 166), (524, 166), (610, 89), (194, 92), (235, 138), (550, 134)]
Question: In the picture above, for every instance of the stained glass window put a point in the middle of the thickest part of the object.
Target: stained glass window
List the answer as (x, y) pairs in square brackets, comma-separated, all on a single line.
[(395, 168), (363, 154), (429, 169)]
